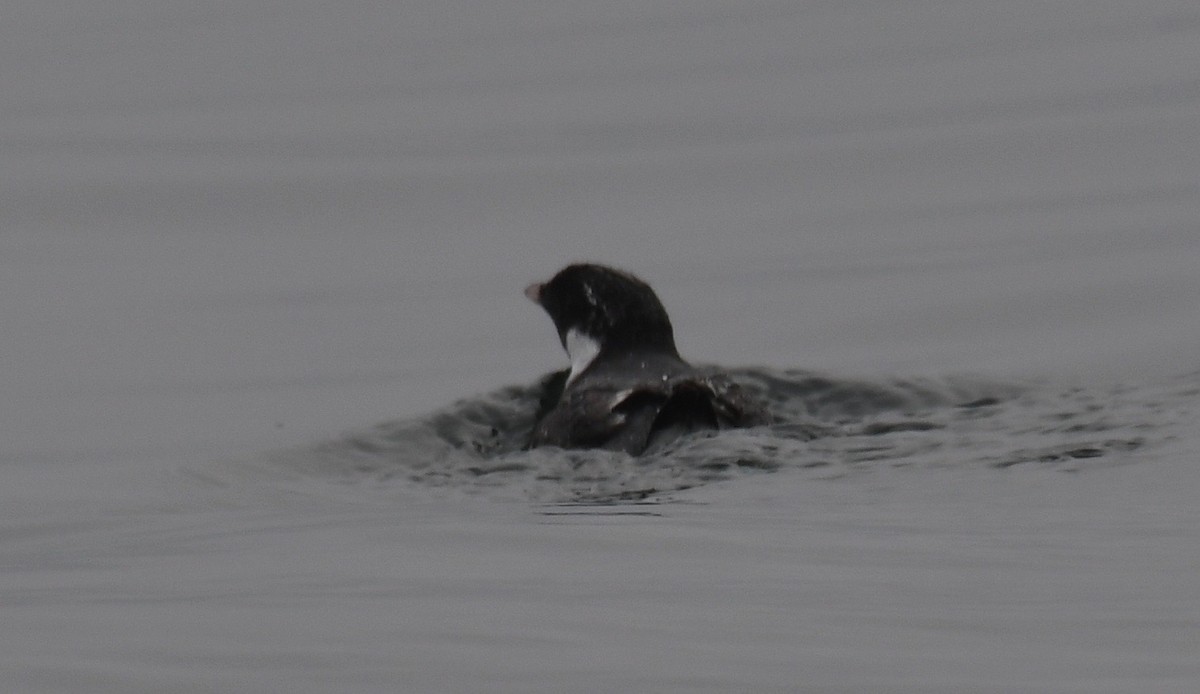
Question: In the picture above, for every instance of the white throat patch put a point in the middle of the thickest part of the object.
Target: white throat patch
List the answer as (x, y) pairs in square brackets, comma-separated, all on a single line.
[(582, 349)]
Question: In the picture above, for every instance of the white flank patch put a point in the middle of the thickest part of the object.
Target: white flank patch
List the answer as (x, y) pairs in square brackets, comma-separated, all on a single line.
[(582, 349), (620, 398)]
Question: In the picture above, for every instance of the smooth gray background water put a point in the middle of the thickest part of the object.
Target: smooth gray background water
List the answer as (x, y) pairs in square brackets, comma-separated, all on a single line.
[(228, 229)]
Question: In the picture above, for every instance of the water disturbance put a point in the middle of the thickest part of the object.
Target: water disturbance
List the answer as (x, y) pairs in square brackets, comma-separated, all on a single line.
[(823, 427)]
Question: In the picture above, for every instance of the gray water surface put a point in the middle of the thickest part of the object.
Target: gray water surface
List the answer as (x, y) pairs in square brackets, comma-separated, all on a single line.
[(260, 291)]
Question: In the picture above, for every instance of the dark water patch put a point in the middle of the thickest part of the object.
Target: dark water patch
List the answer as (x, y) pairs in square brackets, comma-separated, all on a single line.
[(823, 427), (1069, 453), (880, 428), (604, 514), (981, 402)]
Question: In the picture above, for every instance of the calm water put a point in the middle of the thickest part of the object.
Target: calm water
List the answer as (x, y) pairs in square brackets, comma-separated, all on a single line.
[(266, 360)]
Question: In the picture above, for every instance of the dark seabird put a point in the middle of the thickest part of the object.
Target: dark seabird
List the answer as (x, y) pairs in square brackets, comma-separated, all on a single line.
[(628, 389)]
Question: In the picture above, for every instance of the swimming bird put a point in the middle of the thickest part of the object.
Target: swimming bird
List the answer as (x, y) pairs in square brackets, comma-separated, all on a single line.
[(627, 388)]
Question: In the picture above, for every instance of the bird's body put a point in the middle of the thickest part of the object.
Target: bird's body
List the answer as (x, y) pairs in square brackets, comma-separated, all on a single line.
[(628, 389)]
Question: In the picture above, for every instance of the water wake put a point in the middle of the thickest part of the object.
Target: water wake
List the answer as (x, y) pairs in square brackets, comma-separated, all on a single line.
[(823, 426)]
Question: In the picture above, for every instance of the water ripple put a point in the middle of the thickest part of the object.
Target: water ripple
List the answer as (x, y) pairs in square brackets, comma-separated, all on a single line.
[(824, 427)]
